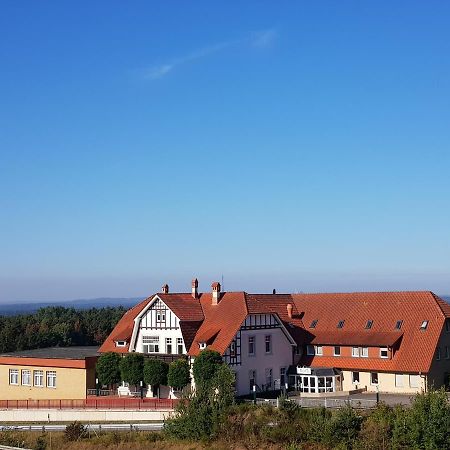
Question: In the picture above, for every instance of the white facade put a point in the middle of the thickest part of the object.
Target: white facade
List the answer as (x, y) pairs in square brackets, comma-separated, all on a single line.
[(263, 352), (157, 331)]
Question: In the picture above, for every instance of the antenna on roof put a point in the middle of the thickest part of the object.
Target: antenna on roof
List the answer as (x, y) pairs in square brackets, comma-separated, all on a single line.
[(222, 284)]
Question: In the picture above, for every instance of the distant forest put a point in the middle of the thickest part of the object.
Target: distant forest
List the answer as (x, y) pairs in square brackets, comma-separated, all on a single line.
[(57, 326)]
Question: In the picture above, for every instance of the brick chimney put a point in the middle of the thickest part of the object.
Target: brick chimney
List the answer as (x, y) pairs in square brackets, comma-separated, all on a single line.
[(165, 289), (195, 288), (215, 292), (289, 308)]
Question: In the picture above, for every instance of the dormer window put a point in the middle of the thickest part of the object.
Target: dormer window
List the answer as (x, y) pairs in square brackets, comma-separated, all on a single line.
[(121, 343), (399, 324), (369, 324), (313, 323), (341, 324), (424, 325), (202, 345)]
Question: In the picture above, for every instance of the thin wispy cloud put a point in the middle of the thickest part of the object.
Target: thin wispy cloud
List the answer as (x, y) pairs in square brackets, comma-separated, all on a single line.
[(261, 39)]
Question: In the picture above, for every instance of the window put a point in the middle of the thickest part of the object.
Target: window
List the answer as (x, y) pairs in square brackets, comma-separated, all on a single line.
[(180, 346), (310, 350), (268, 343), (252, 378), (251, 345), (13, 376), (369, 324), (399, 324), (160, 316), (364, 352), (313, 323), (355, 352), (150, 344), (424, 325), (202, 345), (384, 352), (169, 346), (337, 351), (319, 350), (38, 378), (447, 352), (398, 380), (447, 325), (233, 349), (26, 377), (414, 381), (282, 376), (341, 324), (374, 378), (268, 378), (438, 353), (121, 343), (355, 377), (51, 378)]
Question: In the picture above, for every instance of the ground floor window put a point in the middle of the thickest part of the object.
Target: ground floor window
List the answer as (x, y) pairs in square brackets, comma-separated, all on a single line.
[(355, 377), (398, 380), (169, 346), (414, 381), (282, 376), (51, 379), (315, 384), (38, 378), (374, 378), (26, 377), (252, 378), (269, 375), (180, 346), (150, 344), (13, 376)]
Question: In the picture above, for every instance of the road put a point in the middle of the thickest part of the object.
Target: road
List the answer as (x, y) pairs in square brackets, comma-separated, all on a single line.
[(155, 426)]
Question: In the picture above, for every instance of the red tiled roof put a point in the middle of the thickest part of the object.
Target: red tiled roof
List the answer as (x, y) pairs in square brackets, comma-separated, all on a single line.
[(416, 352), (184, 306), (363, 338)]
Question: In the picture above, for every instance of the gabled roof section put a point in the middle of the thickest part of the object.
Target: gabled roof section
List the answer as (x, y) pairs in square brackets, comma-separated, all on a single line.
[(123, 330), (416, 352), (184, 306)]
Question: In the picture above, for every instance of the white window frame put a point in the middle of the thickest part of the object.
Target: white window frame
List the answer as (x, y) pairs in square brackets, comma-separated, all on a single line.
[(180, 345), (26, 374), (371, 379), (339, 351), (51, 379), (160, 316), (416, 383), (121, 343), (168, 343), (14, 377), (38, 378), (251, 344), (150, 344), (424, 325), (355, 352), (364, 352), (398, 379), (354, 381), (318, 349), (384, 349), (268, 340)]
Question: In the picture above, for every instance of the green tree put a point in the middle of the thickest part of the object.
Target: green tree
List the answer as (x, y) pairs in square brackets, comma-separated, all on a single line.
[(108, 370), (178, 376), (132, 368), (155, 372), (205, 366)]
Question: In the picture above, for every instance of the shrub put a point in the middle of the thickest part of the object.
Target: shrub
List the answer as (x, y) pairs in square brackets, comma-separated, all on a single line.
[(107, 368), (132, 368), (74, 431), (345, 425), (41, 443), (178, 376)]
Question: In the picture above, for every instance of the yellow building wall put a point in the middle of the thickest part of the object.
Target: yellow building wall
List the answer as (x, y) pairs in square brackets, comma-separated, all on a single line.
[(386, 383), (70, 384)]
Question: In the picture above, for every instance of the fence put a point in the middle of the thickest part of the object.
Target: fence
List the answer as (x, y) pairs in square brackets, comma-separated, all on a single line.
[(93, 403), (335, 402)]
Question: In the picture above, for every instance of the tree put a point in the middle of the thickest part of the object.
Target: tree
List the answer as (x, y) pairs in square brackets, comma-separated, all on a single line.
[(178, 376), (205, 366), (155, 372), (132, 368), (108, 370)]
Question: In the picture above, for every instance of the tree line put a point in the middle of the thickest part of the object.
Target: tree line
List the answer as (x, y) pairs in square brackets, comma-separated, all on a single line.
[(57, 326)]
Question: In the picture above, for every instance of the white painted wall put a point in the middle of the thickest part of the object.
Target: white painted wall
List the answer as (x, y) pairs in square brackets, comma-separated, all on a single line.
[(281, 356)]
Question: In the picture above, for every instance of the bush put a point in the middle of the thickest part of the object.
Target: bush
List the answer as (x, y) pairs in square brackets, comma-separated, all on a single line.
[(41, 443), (178, 376), (74, 431), (132, 368), (107, 368)]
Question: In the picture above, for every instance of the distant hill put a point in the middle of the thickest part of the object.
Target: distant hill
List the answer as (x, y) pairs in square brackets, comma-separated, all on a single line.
[(29, 308)]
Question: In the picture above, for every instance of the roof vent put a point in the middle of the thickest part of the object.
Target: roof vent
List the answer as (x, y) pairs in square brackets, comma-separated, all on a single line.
[(165, 289), (195, 288), (215, 292)]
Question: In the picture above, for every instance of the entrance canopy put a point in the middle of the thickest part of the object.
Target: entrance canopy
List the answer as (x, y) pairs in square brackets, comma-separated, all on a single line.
[(315, 380)]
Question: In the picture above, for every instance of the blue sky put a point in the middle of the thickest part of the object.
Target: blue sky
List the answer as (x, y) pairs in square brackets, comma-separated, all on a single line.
[(302, 146)]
